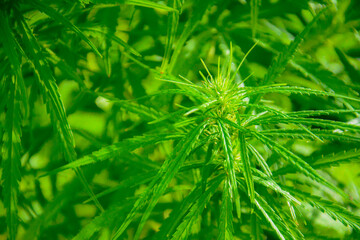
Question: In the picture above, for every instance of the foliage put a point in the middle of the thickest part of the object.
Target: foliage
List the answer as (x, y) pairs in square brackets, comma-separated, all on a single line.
[(142, 119)]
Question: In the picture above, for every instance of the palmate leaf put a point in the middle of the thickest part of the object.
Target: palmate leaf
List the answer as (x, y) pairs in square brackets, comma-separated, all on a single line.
[(320, 75), (279, 63), (158, 186), (226, 228), (145, 112), (11, 137), (265, 116), (104, 220), (10, 152), (168, 171), (325, 78), (296, 161), (60, 18), (298, 118), (171, 116), (205, 171), (207, 32), (292, 90), (270, 183), (302, 134), (11, 48), (289, 221), (337, 159), (46, 81), (312, 113), (52, 100), (312, 121), (113, 38), (128, 183), (52, 209), (268, 212), (230, 164), (170, 224), (333, 210), (260, 159), (185, 87), (115, 149), (199, 9), (196, 209), (247, 167), (276, 222), (326, 161), (261, 115)]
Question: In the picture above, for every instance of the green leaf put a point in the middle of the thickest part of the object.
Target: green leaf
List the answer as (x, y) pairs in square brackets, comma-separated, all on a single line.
[(143, 111), (10, 152), (230, 164), (158, 186), (296, 161), (226, 217), (113, 150), (11, 47), (53, 208), (196, 209), (65, 68), (260, 160), (150, 4), (326, 161), (302, 134), (104, 220), (312, 113), (256, 231), (128, 183), (337, 159), (276, 222), (312, 121), (329, 207), (173, 19), (169, 226), (324, 78), (268, 182), (60, 18), (206, 168), (254, 5), (353, 73), (199, 9), (11, 139), (4, 88), (247, 167), (279, 63), (140, 3), (113, 38), (53, 101), (292, 90)]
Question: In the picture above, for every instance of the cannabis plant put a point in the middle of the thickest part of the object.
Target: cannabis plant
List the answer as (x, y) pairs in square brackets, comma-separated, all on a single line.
[(141, 119)]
